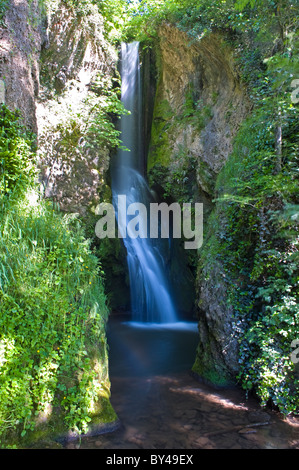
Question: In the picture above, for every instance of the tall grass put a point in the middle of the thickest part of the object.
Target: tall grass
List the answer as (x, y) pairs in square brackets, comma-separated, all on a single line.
[(53, 352)]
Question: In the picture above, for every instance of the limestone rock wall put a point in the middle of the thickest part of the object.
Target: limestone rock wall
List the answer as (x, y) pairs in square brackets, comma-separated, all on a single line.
[(49, 60), (76, 53), (200, 104)]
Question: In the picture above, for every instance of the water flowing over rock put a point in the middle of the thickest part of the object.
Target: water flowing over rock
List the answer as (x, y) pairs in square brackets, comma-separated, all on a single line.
[(151, 301)]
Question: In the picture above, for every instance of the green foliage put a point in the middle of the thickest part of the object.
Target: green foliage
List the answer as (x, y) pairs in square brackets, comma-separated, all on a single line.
[(149, 15), (53, 354), (254, 236), (81, 8), (3, 8), (16, 157), (265, 18), (195, 112), (126, 20), (106, 109), (116, 14), (52, 313), (278, 15)]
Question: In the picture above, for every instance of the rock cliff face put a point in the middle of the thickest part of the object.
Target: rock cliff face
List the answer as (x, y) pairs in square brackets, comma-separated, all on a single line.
[(200, 104), (21, 40), (48, 64), (75, 56), (54, 70)]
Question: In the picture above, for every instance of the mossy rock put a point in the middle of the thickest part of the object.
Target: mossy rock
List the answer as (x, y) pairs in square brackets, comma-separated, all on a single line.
[(213, 375), (51, 432)]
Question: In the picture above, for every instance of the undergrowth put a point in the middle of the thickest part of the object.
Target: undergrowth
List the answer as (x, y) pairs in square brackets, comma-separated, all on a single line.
[(53, 354), (254, 235)]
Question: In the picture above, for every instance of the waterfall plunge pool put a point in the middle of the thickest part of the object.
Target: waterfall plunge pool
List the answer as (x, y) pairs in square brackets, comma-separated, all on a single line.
[(160, 406), (141, 349)]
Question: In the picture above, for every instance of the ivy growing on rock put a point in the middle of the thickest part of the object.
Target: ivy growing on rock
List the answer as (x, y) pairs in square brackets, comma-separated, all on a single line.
[(257, 241)]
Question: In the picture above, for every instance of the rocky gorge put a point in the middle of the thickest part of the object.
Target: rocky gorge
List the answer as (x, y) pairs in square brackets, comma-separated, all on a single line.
[(60, 69)]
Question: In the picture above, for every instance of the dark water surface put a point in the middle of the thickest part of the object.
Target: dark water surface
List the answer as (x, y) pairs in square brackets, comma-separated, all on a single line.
[(161, 406)]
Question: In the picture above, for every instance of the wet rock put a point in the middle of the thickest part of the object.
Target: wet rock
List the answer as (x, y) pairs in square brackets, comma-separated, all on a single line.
[(60, 81), (187, 427), (190, 414), (258, 417)]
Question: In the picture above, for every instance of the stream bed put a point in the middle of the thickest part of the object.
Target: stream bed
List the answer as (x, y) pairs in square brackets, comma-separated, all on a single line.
[(161, 406)]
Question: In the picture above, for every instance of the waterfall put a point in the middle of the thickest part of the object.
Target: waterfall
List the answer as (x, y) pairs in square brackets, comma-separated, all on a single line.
[(150, 296)]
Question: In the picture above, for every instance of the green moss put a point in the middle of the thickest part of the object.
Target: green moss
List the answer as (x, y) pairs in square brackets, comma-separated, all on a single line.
[(162, 108), (160, 148), (211, 375), (104, 415), (251, 234), (52, 432), (194, 111)]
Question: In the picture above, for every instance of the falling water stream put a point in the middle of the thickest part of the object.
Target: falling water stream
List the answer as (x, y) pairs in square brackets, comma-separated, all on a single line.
[(160, 405), (150, 296)]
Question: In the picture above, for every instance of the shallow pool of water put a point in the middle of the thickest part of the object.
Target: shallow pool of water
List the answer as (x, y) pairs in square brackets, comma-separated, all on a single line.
[(161, 406), (146, 349)]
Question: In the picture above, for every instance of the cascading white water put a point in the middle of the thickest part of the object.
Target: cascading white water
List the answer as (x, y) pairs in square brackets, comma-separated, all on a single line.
[(150, 297)]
